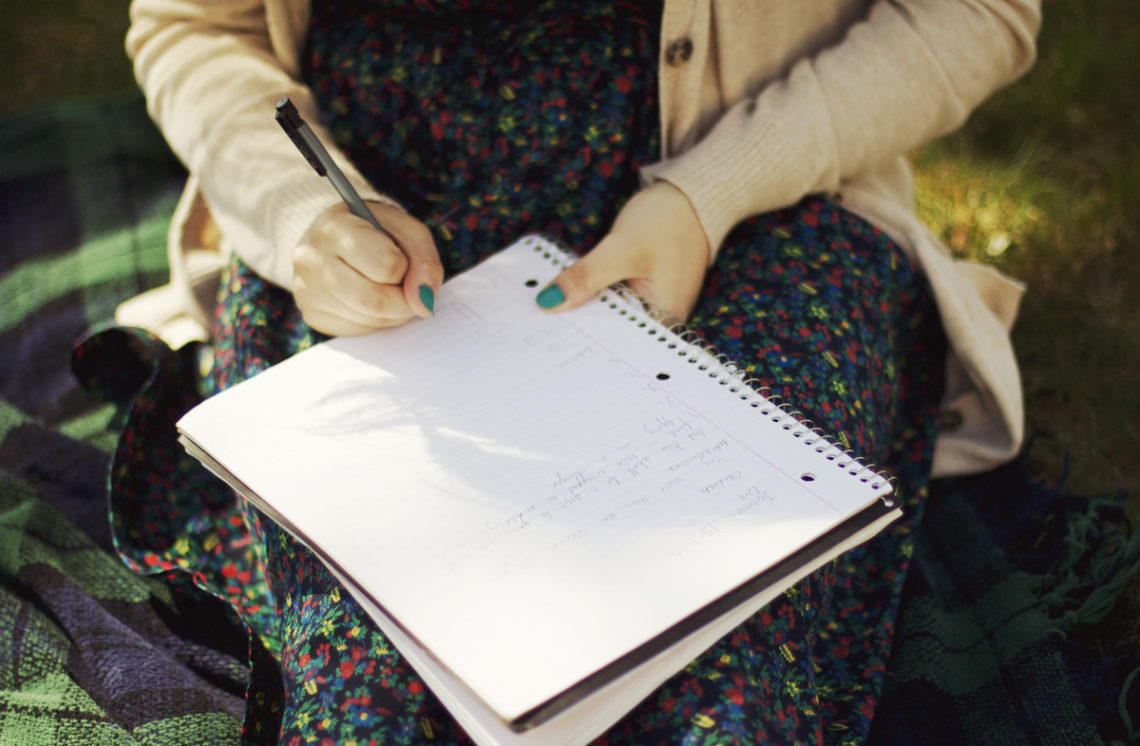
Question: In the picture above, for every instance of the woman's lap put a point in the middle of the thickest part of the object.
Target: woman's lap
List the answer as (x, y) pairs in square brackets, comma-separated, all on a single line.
[(827, 313)]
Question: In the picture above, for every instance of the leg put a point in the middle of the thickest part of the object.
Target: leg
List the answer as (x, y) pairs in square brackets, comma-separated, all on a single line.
[(826, 311), (343, 681)]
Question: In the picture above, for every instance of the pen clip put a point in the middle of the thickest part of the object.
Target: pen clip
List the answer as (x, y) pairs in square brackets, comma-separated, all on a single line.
[(290, 121)]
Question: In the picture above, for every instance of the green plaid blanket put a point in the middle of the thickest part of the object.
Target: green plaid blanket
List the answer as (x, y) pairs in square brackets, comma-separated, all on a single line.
[(990, 646), (90, 653)]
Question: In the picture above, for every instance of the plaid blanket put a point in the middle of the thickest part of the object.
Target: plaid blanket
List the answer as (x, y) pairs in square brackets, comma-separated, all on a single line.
[(89, 651), (991, 646)]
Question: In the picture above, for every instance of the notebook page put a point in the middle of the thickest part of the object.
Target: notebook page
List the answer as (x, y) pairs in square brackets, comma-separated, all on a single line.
[(530, 494), (593, 715)]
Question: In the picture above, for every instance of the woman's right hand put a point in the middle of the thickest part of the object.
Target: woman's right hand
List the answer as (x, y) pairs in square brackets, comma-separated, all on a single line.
[(349, 278)]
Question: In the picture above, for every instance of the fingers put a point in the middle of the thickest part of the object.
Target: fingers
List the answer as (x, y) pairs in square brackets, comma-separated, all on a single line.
[(656, 245), (350, 278), (337, 233), (336, 325), (406, 257), (424, 273), (374, 256), (606, 264), (338, 290)]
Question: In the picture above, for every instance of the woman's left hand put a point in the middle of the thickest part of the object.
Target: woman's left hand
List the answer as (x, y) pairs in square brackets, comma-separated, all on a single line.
[(656, 245)]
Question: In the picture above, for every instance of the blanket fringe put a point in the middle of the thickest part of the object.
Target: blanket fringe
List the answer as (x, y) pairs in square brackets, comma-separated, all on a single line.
[(1133, 729), (1083, 551), (1100, 555), (1085, 555)]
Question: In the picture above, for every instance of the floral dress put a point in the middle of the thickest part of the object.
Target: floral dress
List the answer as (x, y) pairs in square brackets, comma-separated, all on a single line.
[(488, 120)]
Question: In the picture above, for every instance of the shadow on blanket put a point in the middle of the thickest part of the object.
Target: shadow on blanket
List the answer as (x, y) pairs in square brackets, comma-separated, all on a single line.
[(989, 647)]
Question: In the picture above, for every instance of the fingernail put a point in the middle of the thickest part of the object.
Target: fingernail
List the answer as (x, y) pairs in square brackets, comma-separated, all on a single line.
[(550, 297), (427, 297)]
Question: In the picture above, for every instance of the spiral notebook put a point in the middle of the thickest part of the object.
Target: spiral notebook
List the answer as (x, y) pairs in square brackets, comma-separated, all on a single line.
[(547, 514)]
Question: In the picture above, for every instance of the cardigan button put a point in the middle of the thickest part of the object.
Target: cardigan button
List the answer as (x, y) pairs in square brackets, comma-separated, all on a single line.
[(948, 420), (678, 51)]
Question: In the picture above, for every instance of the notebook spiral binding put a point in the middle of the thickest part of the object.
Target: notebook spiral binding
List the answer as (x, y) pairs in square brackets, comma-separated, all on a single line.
[(673, 332)]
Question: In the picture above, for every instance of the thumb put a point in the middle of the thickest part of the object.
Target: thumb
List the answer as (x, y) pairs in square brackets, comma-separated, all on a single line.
[(588, 276), (425, 271)]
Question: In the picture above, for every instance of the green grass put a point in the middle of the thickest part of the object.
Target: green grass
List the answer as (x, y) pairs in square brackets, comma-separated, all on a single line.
[(57, 49), (1044, 182)]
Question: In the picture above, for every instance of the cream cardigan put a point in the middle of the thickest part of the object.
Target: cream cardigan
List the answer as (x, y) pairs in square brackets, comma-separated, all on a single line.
[(762, 103)]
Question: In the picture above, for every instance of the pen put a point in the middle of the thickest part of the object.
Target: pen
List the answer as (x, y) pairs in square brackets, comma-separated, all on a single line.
[(302, 136)]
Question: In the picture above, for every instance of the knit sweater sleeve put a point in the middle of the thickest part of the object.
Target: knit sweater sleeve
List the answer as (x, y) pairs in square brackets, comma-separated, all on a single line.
[(911, 71), (211, 78)]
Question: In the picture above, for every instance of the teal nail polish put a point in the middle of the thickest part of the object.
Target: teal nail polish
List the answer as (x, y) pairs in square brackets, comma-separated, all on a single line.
[(427, 297), (551, 297)]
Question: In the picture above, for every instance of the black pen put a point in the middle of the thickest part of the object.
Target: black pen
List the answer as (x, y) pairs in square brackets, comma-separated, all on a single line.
[(302, 136)]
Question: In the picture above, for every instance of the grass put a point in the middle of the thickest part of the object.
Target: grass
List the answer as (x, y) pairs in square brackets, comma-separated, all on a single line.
[(1043, 182), (57, 49)]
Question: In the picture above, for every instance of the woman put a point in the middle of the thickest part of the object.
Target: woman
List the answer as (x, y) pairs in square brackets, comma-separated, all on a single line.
[(738, 164)]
